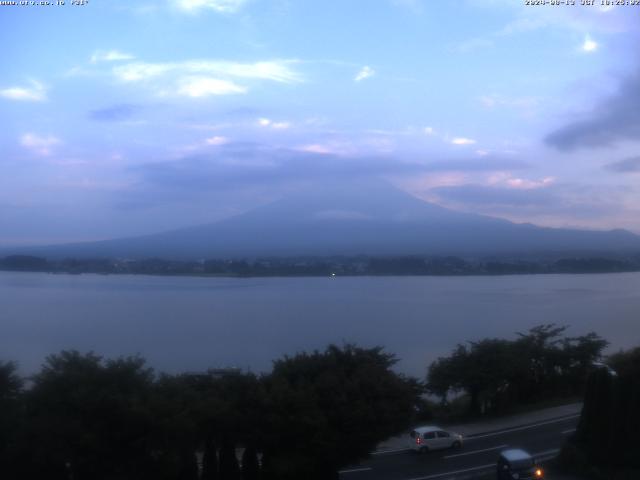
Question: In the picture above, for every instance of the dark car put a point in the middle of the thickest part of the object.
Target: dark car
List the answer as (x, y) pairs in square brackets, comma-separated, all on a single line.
[(516, 464)]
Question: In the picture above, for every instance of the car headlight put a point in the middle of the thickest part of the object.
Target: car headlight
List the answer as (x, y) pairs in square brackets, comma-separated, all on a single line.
[(539, 473)]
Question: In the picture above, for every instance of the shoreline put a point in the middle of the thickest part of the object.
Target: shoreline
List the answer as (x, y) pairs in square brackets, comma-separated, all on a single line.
[(342, 275)]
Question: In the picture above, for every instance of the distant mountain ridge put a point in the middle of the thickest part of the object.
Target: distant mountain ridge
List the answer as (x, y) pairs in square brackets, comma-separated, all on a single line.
[(370, 219)]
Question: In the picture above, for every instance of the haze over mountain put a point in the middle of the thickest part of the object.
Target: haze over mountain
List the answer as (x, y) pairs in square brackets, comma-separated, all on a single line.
[(371, 218)]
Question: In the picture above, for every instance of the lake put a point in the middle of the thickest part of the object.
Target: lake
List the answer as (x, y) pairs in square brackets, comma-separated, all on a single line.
[(192, 323)]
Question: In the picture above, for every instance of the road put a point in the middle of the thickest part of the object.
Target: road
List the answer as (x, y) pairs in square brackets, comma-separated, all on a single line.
[(476, 457)]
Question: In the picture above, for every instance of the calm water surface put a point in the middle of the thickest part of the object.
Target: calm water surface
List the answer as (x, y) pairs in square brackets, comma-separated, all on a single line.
[(182, 323)]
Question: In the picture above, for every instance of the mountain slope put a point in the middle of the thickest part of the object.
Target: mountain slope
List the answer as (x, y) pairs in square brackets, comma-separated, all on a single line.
[(374, 219)]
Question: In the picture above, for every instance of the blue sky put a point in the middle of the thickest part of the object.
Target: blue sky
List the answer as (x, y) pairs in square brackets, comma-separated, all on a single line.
[(124, 118)]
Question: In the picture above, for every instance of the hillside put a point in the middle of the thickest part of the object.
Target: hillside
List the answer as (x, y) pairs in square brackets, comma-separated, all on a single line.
[(370, 219)]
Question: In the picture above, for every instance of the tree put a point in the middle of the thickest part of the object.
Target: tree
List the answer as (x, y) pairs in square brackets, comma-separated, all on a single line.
[(10, 382), (481, 369), (626, 363), (88, 417), (539, 355), (442, 378), (10, 416), (606, 441), (189, 464), (173, 436), (210, 462), (496, 373), (229, 467), (228, 410), (250, 465), (24, 263), (578, 357), (331, 408)]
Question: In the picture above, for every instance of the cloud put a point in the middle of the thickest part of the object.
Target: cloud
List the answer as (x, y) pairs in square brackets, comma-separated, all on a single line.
[(429, 131), (249, 165), (574, 19), (471, 194), (222, 6), (204, 86), (507, 180), (115, 113), (267, 122), (628, 165), (527, 20), (614, 119), (274, 70), (35, 92), (495, 100), (557, 204), (364, 73), (486, 164), (235, 165), (110, 56), (525, 184), (217, 140), (589, 45), (316, 148), (462, 141), (200, 78), (343, 148), (38, 144)]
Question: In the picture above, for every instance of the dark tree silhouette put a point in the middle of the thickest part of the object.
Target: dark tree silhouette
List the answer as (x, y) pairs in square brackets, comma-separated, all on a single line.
[(229, 467), (210, 462), (328, 409), (250, 466), (606, 442), (88, 417), (497, 373), (189, 465), (10, 417)]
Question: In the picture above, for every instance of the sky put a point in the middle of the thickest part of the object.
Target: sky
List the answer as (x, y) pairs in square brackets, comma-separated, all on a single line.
[(124, 118)]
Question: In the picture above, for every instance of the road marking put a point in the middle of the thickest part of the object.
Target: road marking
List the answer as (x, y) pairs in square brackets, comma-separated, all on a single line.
[(396, 450), (481, 467), (546, 453), (517, 429), (354, 470), (492, 434), (476, 451), (565, 432)]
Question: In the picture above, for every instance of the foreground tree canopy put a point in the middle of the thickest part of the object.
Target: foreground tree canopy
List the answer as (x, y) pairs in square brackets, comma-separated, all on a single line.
[(85, 417), (328, 409), (606, 444), (496, 373)]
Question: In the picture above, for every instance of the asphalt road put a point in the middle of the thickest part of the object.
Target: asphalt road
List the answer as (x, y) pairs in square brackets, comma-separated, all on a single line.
[(477, 457)]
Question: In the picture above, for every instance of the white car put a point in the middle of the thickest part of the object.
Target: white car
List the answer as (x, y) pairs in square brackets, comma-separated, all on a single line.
[(424, 439)]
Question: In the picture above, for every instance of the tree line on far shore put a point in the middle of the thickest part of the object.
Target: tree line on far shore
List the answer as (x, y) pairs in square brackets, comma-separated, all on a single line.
[(358, 265), (85, 417)]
